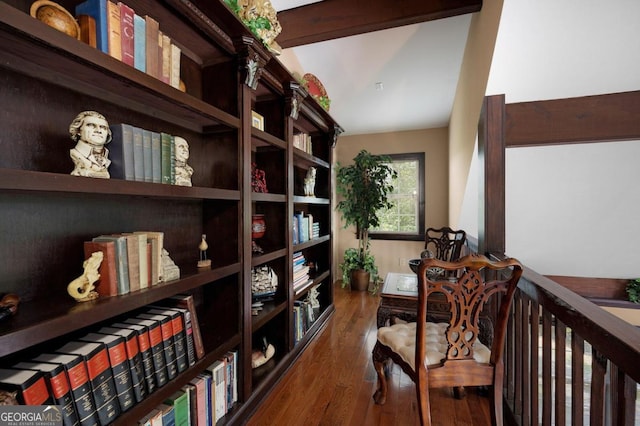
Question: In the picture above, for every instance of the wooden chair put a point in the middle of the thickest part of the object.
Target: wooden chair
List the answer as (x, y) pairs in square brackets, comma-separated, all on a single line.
[(444, 243), (450, 354)]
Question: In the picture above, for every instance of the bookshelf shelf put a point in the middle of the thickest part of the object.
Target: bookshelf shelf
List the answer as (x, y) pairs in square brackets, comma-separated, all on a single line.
[(46, 214)]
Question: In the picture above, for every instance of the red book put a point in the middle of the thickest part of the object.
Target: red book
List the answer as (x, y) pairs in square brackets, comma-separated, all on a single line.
[(76, 370), (144, 346), (157, 348), (186, 301), (168, 345), (107, 284), (134, 358), (119, 361), (126, 31), (100, 377), (59, 388), (30, 386)]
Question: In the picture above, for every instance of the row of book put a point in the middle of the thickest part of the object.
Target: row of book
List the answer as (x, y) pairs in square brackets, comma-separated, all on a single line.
[(106, 372), (117, 30), (304, 315), (203, 401), (142, 155), (131, 261), (304, 228), (302, 141), (300, 271)]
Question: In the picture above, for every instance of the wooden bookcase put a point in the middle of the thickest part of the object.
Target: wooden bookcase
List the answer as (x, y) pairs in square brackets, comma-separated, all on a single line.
[(47, 77)]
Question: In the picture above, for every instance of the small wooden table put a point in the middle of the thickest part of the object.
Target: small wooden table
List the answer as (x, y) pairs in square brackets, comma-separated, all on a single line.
[(399, 298)]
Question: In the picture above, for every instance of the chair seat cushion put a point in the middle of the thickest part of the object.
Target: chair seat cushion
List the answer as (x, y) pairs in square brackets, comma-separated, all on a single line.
[(401, 338)]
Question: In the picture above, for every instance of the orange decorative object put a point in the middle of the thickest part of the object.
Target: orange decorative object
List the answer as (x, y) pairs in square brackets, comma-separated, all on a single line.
[(56, 17)]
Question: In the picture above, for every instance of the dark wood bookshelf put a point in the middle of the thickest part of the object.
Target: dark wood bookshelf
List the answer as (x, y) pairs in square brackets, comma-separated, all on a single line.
[(47, 78)]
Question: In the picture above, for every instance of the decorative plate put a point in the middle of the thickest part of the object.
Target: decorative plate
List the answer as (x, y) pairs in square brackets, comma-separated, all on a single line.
[(317, 90)]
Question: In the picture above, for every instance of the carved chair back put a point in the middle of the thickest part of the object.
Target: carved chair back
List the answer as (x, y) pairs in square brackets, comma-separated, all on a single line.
[(444, 243)]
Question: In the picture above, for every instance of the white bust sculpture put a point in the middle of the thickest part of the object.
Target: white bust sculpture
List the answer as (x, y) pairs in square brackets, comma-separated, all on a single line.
[(90, 131), (183, 170)]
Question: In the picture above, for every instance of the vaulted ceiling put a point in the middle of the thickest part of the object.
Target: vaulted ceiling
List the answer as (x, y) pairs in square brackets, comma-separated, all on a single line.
[(386, 65)]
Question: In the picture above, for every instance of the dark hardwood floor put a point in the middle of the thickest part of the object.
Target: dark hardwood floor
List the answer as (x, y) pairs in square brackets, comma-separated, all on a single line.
[(332, 383)]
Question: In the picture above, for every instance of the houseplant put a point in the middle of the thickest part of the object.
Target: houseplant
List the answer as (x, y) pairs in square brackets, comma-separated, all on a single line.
[(364, 186)]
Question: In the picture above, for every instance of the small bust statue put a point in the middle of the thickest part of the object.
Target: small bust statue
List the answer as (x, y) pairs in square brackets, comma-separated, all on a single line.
[(90, 131), (183, 170)]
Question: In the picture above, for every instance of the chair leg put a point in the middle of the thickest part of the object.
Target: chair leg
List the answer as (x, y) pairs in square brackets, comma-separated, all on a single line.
[(424, 406), (496, 413), (379, 363)]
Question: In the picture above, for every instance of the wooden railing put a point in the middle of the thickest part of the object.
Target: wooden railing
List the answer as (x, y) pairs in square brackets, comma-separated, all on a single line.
[(567, 360)]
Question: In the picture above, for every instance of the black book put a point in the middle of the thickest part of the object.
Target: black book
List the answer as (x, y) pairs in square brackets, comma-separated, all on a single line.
[(76, 369), (58, 384), (119, 366), (179, 335), (157, 348), (29, 385), (188, 328), (167, 342), (134, 358), (144, 346), (100, 377)]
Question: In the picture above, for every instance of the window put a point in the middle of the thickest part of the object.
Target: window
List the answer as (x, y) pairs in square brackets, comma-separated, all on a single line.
[(405, 220)]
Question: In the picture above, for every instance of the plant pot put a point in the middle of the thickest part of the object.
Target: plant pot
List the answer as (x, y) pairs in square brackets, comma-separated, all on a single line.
[(359, 280)]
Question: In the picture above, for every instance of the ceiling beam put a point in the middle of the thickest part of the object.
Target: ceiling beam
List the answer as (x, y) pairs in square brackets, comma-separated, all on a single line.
[(332, 19)]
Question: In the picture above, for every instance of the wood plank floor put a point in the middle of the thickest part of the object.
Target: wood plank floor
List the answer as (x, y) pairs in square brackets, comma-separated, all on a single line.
[(332, 383)]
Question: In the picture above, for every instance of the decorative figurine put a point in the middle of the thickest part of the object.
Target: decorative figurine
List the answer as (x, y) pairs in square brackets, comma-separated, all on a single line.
[(260, 357), (82, 288), (310, 182), (204, 263), (183, 170), (9, 305), (170, 271), (90, 130)]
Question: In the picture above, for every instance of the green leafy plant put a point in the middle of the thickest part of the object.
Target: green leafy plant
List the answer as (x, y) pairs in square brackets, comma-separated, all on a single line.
[(365, 186), (633, 290)]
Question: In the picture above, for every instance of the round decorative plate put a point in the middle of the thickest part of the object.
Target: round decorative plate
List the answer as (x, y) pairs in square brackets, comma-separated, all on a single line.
[(314, 87), (317, 90)]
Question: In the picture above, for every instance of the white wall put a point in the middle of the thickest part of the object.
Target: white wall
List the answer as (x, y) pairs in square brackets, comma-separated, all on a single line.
[(570, 202)]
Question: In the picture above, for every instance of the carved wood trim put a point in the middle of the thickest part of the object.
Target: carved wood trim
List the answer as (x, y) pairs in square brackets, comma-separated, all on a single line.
[(252, 60)]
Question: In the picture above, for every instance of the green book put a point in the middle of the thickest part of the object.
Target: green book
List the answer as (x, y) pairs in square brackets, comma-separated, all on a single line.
[(165, 155), (180, 403)]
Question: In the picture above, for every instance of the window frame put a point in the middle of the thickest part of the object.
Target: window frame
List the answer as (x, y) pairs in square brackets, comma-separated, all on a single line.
[(419, 235)]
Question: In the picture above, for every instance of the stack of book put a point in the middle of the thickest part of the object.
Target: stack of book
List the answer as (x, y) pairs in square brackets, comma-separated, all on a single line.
[(131, 261), (117, 30), (300, 271), (142, 155), (304, 228), (107, 371), (302, 141), (204, 400), (303, 318)]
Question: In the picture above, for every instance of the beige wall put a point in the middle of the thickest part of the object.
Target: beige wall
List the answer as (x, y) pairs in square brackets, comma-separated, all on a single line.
[(472, 84), (392, 255)]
